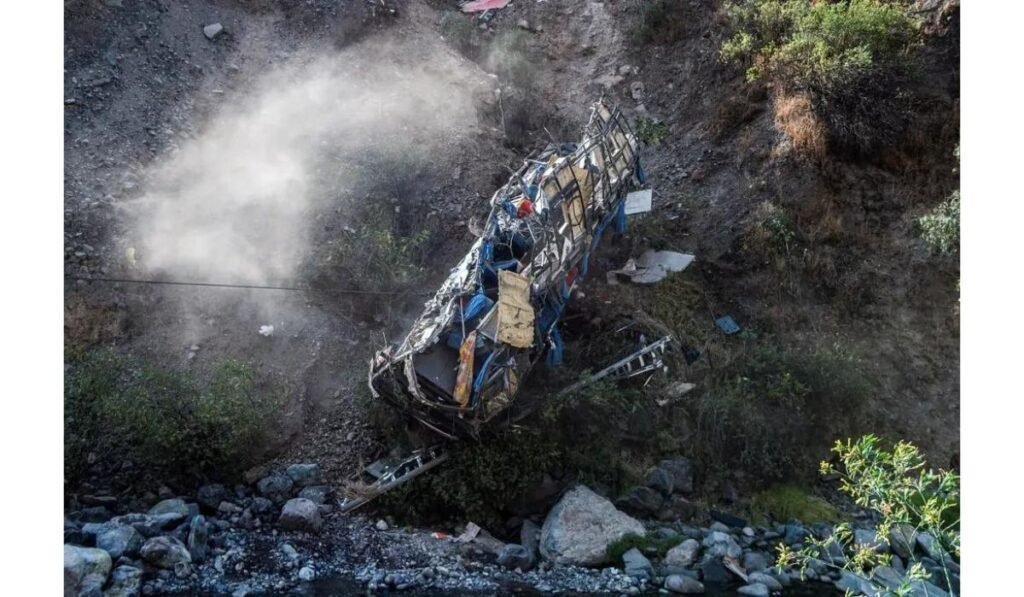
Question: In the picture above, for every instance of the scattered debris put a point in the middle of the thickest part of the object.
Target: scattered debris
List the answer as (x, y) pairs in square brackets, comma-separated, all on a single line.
[(482, 5), (728, 325), (267, 330), (647, 358), (213, 30), (639, 202), (651, 267)]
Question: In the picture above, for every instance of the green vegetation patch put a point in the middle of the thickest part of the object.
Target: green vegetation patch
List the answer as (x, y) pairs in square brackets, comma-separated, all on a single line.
[(782, 503), (646, 544)]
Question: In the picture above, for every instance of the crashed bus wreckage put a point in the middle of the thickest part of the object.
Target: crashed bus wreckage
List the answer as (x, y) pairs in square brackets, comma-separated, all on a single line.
[(496, 316)]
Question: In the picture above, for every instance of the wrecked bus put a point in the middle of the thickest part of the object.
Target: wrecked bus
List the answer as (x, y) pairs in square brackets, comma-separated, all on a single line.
[(496, 315)]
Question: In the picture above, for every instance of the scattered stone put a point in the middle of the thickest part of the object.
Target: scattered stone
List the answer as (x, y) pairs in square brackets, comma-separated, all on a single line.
[(854, 583), (174, 506), (276, 486), (794, 534), (304, 475), (636, 90), (683, 585), (381, 525), (660, 480), (682, 474), (182, 569), (82, 562), (755, 561), (125, 581), (318, 494), (930, 546), (198, 536), (755, 590), (261, 505), (870, 539), (120, 540), (641, 500), (580, 527), (529, 537), (719, 527), (765, 579), (636, 565), (523, 24), (514, 556), (748, 532), (306, 574), (300, 514), (92, 585), (210, 496), (713, 572), (684, 554), (93, 514), (289, 551), (718, 544), (164, 552), (213, 30)]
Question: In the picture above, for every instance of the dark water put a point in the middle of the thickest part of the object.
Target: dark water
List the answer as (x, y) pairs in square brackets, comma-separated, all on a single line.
[(344, 585)]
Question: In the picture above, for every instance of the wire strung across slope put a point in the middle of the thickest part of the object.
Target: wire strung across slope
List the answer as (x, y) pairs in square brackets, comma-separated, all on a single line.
[(243, 286)]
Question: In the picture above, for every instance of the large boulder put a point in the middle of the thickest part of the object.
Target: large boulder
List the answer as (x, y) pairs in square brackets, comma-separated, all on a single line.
[(684, 554), (125, 581), (165, 552), (580, 527), (120, 540), (304, 475), (300, 514), (82, 564)]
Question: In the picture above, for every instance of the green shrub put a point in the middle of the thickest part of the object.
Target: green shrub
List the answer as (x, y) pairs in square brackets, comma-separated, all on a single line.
[(646, 544), (164, 419), (940, 228), (770, 232), (896, 484), (786, 502), (814, 44), (650, 131)]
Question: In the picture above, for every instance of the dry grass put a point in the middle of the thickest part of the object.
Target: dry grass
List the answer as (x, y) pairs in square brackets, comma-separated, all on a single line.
[(796, 118)]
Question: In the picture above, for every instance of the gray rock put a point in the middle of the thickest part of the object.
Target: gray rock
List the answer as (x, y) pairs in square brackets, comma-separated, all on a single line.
[(514, 556), (276, 486), (175, 506), (125, 581), (82, 562), (718, 544), (318, 494), (659, 480), (682, 474), (261, 505), (165, 552), (120, 540), (755, 590), (289, 551), (636, 565), (304, 475), (210, 496), (683, 585), (381, 525), (713, 572), (306, 574), (902, 539), (529, 537), (198, 536), (580, 526), (213, 30), (854, 583), (765, 579), (300, 514), (684, 554), (149, 525), (870, 539), (755, 561), (794, 534), (642, 501), (228, 508), (930, 546), (92, 585)]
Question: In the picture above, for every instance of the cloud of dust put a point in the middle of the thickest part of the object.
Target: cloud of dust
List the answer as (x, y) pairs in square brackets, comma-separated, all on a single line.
[(236, 203)]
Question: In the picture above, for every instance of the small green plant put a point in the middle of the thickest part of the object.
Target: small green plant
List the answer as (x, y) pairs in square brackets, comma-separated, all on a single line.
[(650, 131), (645, 543), (782, 503), (164, 418), (940, 228), (770, 231), (909, 498)]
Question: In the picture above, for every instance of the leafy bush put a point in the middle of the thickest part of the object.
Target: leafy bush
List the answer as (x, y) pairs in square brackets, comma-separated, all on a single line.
[(770, 232), (786, 502), (645, 543), (940, 228), (847, 57), (896, 485), (650, 131), (162, 418)]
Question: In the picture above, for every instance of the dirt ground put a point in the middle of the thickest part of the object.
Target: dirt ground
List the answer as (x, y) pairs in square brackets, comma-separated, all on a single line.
[(142, 81)]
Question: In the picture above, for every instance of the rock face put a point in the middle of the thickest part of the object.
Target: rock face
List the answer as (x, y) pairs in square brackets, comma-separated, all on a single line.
[(580, 527), (683, 585), (300, 514), (165, 552), (81, 563), (120, 540), (684, 554)]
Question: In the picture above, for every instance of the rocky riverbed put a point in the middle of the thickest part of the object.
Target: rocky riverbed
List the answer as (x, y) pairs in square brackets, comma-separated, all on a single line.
[(283, 534)]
